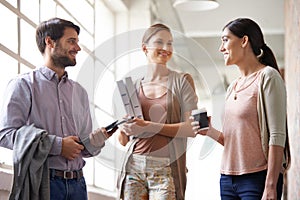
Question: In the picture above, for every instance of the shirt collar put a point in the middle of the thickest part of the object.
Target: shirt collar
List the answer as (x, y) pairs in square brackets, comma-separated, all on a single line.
[(50, 74)]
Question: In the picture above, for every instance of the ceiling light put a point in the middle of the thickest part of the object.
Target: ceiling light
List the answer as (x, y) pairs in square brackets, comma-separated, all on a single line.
[(195, 5)]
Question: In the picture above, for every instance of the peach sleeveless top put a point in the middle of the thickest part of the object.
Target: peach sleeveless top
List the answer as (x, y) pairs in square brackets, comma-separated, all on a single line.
[(154, 109)]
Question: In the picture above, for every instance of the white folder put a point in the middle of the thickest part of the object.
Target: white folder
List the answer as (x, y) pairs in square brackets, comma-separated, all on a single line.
[(129, 97), (136, 106)]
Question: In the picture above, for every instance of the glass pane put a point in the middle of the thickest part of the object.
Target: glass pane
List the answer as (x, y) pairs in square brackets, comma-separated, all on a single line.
[(48, 9), (102, 119), (30, 8), (84, 7), (86, 39), (61, 13), (24, 69), (104, 23), (104, 177), (12, 2), (88, 171), (137, 59), (106, 79), (29, 49), (81, 61), (91, 1), (10, 31), (9, 70)]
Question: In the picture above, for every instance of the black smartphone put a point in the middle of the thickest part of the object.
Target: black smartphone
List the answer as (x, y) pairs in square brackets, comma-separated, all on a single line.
[(111, 126)]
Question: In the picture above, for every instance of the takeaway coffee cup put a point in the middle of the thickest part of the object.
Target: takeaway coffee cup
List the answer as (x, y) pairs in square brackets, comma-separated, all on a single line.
[(200, 115)]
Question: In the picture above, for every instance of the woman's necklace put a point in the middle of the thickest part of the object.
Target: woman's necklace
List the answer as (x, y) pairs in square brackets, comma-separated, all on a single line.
[(235, 90), (243, 82)]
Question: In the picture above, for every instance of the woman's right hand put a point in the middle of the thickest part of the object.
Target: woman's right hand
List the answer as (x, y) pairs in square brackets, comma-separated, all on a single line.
[(135, 127), (210, 132), (196, 127)]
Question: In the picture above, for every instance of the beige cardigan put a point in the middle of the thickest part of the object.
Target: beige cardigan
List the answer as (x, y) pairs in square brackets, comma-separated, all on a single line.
[(182, 99)]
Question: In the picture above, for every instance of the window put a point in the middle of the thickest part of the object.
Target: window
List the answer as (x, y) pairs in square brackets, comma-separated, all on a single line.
[(28, 48), (30, 10), (9, 69), (9, 30)]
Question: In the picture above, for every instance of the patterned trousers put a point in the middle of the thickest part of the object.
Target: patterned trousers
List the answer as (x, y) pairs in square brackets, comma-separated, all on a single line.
[(148, 178)]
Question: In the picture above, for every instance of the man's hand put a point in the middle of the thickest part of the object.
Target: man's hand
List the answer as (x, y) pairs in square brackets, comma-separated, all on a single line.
[(71, 149)]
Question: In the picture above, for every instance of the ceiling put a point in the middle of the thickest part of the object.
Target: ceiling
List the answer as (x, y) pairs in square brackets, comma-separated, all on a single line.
[(205, 26), (204, 29)]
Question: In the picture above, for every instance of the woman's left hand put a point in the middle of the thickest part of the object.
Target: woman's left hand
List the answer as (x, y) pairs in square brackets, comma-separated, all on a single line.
[(269, 194)]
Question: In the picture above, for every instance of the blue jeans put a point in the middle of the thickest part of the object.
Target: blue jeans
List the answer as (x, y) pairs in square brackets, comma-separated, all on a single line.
[(246, 187), (67, 189)]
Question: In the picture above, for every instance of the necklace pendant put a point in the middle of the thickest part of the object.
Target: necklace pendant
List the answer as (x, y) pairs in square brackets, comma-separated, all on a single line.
[(235, 97)]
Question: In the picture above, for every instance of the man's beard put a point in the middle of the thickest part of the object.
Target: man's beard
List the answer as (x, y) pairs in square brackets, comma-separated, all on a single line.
[(60, 58), (62, 61)]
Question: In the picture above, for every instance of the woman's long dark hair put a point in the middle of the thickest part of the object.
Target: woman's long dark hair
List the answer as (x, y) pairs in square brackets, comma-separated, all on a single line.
[(244, 26)]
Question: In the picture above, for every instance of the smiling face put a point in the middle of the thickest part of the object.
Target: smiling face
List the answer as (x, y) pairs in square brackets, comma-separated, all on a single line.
[(66, 49), (231, 47), (159, 48)]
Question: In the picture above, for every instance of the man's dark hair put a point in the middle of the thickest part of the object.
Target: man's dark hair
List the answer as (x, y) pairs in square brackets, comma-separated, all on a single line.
[(54, 28)]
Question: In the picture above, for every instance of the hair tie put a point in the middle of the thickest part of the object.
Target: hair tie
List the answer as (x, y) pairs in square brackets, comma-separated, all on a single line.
[(262, 50), (261, 53)]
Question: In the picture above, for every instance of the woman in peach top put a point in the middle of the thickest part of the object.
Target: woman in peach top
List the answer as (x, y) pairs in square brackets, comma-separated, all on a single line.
[(254, 125)]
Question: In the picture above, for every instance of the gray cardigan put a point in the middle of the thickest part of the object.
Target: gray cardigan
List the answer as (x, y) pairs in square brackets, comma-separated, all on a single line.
[(31, 173)]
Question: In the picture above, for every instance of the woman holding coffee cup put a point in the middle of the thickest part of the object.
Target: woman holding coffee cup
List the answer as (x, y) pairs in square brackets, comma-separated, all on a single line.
[(254, 125)]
